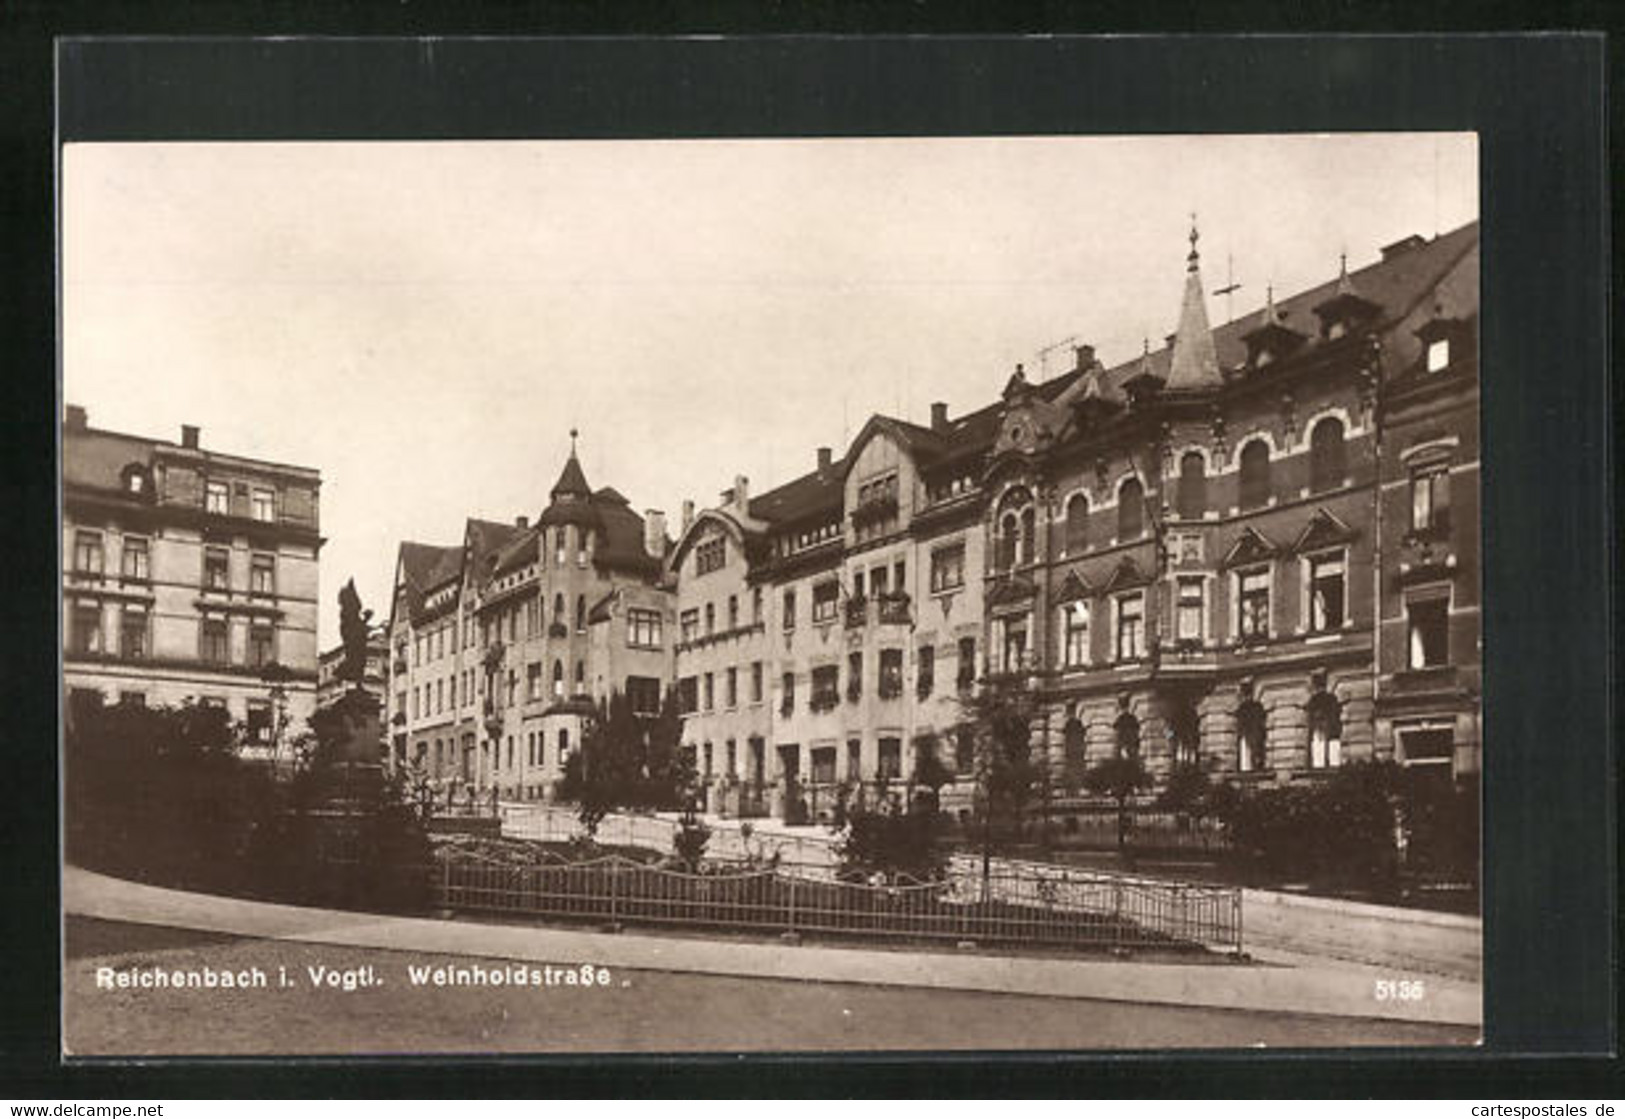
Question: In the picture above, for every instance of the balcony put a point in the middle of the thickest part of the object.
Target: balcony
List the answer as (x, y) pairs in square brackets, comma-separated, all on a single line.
[(894, 610), (875, 510), (857, 612)]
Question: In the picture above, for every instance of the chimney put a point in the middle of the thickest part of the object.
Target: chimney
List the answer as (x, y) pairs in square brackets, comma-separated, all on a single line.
[(654, 532), (726, 497), (939, 416), (823, 460), (688, 514), (1086, 357), (521, 522), (1403, 245), (75, 418), (189, 436), (741, 492)]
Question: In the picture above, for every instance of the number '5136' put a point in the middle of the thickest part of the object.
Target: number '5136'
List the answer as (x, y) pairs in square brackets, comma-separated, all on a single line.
[(1405, 990)]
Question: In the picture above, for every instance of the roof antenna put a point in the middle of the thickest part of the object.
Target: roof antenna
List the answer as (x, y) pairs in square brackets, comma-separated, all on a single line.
[(1230, 287)]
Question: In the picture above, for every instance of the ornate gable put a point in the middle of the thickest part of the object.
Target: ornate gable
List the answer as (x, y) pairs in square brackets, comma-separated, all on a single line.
[(1324, 530), (1126, 575), (1073, 587), (1250, 547), (1015, 589)]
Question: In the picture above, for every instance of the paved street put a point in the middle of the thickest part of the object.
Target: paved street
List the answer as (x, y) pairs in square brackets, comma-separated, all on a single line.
[(638, 1010)]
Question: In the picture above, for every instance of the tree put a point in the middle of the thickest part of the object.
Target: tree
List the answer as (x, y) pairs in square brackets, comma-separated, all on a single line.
[(628, 761), (929, 773), (998, 720), (1119, 777), (891, 844)]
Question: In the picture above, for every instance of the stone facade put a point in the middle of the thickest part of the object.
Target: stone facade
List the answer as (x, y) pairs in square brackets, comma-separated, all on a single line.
[(189, 575)]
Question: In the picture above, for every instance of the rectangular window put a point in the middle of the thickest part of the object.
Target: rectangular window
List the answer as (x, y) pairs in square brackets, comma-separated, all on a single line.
[(877, 580), (826, 684), (261, 645), (964, 750), (1075, 634), (731, 687), (216, 498), (1253, 605), (259, 722), (823, 765), (756, 682), (132, 633), (213, 645), (732, 759), (1130, 627), (891, 759), (854, 759), (899, 581), (136, 558), (1429, 621), (1190, 610), (1013, 643), (1326, 593), (710, 555), (733, 611), (643, 629), (264, 505), (689, 625), (216, 569), (533, 682), (86, 633), (1428, 745), (854, 676), (925, 677), (1430, 500), (1438, 354), (967, 663), (643, 693), (439, 696), (789, 609), (87, 553), (688, 695), (788, 702), (262, 576), (756, 606), (710, 618), (891, 673), (948, 568), (710, 692), (826, 598)]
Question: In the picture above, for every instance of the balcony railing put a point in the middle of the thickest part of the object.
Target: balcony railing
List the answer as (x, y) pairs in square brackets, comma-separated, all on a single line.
[(894, 610), (857, 612), (873, 510)]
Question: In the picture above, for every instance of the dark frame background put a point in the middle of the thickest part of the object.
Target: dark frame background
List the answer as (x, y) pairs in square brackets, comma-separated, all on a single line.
[(1538, 105)]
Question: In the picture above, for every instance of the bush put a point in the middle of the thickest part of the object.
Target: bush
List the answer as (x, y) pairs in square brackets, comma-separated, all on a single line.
[(690, 840), (891, 844)]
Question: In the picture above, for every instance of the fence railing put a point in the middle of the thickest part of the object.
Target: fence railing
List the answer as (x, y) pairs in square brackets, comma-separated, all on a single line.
[(1068, 910)]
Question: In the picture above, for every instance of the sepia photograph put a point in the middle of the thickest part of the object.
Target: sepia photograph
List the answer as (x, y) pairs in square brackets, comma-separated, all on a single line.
[(771, 595)]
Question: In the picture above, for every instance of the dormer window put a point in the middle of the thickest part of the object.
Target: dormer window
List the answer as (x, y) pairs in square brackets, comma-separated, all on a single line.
[(1438, 354), (135, 480)]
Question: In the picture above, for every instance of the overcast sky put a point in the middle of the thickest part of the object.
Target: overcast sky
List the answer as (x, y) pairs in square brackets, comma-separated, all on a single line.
[(424, 323)]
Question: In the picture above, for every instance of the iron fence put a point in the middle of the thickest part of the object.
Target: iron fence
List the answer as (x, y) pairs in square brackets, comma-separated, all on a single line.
[(1072, 910)]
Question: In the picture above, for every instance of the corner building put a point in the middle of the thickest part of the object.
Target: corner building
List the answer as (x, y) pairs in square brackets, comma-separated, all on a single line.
[(189, 574), (1183, 556), (502, 647)]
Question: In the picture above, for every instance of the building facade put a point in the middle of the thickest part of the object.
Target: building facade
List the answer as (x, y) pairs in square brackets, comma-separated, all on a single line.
[(374, 677), (1253, 549), (502, 648), (189, 575)]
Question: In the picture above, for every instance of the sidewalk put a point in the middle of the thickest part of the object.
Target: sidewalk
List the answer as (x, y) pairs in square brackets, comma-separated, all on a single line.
[(1305, 987)]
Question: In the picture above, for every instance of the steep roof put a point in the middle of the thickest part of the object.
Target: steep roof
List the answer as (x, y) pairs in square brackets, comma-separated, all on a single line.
[(96, 459), (1395, 284), (572, 480)]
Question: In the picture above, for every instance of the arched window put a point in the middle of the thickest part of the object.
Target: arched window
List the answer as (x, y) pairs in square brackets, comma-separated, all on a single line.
[(1325, 732), (558, 610), (564, 745), (1130, 510), (581, 677), (1327, 465), (1192, 486), (1076, 752), (558, 680), (1127, 735), (1005, 554), (1015, 543), (1077, 524), (581, 613), (1250, 739), (1255, 474)]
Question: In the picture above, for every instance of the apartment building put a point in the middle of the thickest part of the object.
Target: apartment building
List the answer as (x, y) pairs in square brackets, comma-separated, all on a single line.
[(189, 574)]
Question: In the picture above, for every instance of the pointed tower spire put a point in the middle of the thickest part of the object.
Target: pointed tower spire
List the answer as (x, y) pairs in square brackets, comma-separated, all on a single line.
[(1195, 362), (572, 481)]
